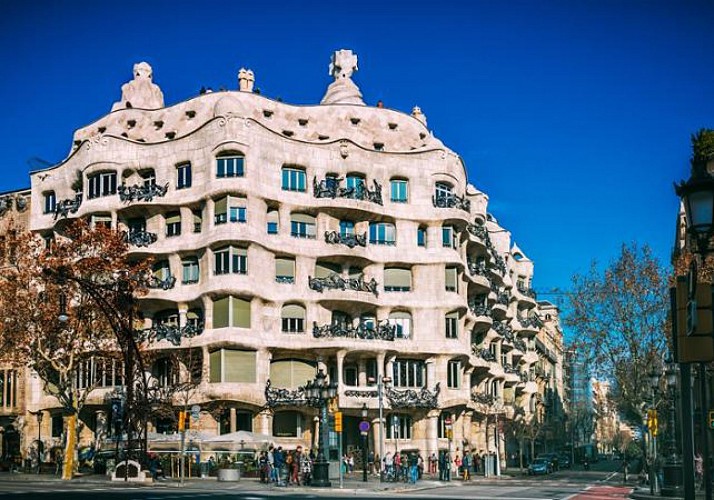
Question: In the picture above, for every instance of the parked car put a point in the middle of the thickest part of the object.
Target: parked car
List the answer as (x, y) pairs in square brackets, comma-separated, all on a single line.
[(540, 466), (552, 458), (564, 461)]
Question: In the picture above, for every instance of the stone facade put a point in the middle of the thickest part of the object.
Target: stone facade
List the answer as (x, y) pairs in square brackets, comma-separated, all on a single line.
[(339, 237)]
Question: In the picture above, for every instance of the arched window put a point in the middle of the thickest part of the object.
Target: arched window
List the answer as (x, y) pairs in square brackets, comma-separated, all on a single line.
[(443, 190), (190, 270), (293, 318), (102, 184), (402, 320), (451, 279), (50, 202), (294, 179), (421, 236), (284, 270), (453, 374), (230, 164)]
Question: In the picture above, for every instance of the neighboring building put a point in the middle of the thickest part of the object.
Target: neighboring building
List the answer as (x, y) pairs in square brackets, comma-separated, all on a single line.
[(338, 237), (607, 421), (580, 411)]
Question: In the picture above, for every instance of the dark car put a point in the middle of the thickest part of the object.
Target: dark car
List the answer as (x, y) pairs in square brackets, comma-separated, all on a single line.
[(540, 466), (564, 461), (552, 458)]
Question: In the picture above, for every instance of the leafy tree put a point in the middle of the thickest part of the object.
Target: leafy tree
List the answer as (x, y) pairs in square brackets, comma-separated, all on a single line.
[(87, 276), (618, 317)]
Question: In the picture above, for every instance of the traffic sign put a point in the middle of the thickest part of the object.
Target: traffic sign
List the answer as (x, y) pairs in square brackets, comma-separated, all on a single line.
[(364, 426), (195, 412), (338, 421)]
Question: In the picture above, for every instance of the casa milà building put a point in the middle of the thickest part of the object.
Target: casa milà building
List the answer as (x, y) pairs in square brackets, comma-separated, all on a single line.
[(339, 237)]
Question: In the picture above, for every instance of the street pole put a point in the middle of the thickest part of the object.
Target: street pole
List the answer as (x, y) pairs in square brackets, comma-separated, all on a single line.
[(704, 406), (381, 429), (686, 413)]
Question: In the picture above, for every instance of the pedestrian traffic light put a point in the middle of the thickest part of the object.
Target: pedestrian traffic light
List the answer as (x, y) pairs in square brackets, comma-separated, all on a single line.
[(182, 421)]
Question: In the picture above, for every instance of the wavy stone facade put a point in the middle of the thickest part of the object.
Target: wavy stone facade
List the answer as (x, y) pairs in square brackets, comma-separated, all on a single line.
[(339, 237)]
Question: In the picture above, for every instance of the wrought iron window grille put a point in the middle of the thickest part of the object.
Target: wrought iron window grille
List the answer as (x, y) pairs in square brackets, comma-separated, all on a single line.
[(451, 201), (140, 238), (411, 398), (350, 240), (336, 282), (142, 192), (330, 188), (383, 331)]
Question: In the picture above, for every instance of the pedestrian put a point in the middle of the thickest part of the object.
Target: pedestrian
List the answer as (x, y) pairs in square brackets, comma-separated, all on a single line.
[(271, 465), (370, 462), (476, 461), (413, 468), (295, 470), (442, 466), (279, 459), (263, 466), (466, 466), (306, 465), (420, 466), (289, 458), (389, 465), (432, 463), (350, 463), (698, 469)]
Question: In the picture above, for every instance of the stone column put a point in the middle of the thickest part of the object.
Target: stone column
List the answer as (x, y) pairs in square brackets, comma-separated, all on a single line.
[(432, 434), (340, 365), (264, 421), (233, 419), (362, 372), (466, 430)]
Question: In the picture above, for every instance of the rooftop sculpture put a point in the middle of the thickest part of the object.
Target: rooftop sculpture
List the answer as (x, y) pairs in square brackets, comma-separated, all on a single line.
[(141, 92), (343, 90)]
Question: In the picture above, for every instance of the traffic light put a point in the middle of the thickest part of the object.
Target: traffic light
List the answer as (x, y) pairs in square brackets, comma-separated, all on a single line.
[(711, 419), (652, 421), (182, 421)]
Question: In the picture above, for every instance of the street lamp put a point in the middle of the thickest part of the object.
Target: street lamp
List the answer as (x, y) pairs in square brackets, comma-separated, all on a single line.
[(320, 392), (697, 195), (39, 416), (654, 377), (364, 444), (382, 381), (672, 469)]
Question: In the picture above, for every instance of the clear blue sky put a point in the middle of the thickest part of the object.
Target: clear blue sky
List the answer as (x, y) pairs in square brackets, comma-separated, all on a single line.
[(574, 117)]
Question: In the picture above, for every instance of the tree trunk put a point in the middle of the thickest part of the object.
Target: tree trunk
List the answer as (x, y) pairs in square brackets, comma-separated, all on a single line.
[(70, 448)]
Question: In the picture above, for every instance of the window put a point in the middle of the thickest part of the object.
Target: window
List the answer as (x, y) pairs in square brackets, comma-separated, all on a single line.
[(347, 228), (102, 184), (230, 260), (173, 224), (355, 183), (8, 391), (421, 236), (197, 220), (231, 311), (291, 373), (409, 373), (452, 325), (399, 426), (50, 202), (287, 424), (183, 176), (136, 225), (100, 372), (190, 270), (293, 318), (350, 375), (284, 270), (148, 178), (302, 226), (448, 237), (294, 179), (443, 417), (230, 208), (397, 280), (101, 220), (453, 374), (402, 320), (230, 166), (442, 190), (165, 372), (273, 218), (451, 279), (382, 233), (326, 269), (162, 271), (232, 365), (194, 318), (399, 190)]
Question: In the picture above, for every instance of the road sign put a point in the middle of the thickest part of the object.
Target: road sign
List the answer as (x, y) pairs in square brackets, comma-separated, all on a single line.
[(338, 421), (364, 426), (195, 412)]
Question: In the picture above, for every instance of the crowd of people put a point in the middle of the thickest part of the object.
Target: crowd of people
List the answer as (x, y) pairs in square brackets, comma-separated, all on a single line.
[(284, 468)]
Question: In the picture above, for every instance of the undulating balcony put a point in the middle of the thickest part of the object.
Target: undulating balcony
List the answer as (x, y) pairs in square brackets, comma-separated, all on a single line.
[(331, 188), (140, 238), (483, 398), (349, 240), (365, 331), (451, 201), (157, 283), (172, 332), (413, 398), (142, 192), (337, 282), (478, 230), (69, 206)]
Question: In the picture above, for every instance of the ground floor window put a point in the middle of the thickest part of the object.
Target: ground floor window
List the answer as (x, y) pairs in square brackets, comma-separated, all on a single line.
[(288, 424)]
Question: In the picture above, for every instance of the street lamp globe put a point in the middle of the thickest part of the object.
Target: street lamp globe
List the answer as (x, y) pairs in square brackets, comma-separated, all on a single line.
[(671, 375), (364, 410), (654, 377), (697, 195)]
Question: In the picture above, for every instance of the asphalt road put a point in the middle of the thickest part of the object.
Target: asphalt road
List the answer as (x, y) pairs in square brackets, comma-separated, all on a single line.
[(563, 485)]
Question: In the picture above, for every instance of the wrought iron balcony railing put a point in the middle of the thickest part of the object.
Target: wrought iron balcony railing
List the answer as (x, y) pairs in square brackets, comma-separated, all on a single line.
[(479, 308), (530, 321), (528, 292), (383, 331), (142, 192), (69, 206), (172, 333), (509, 368), (483, 398), (411, 398), (275, 396), (482, 353), (162, 284), (478, 230), (140, 238), (504, 330), (520, 345), (502, 298), (350, 240), (355, 393), (478, 268), (337, 282), (451, 201), (499, 263), (330, 188), (285, 280)]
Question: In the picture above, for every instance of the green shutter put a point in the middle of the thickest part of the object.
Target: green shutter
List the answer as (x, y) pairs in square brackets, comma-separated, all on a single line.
[(215, 368), (280, 374), (239, 366), (241, 313), (309, 219), (221, 206), (173, 218), (395, 277), (284, 267), (220, 312)]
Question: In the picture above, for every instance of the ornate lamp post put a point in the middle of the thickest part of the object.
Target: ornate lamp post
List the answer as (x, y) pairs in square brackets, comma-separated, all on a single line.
[(382, 382), (672, 469), (697, 195), (364, 443), (319, 392), (654, 377), (39, 416)]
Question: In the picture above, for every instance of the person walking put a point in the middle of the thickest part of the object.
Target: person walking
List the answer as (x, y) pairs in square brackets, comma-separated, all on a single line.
[(306, 466), (466, 466)]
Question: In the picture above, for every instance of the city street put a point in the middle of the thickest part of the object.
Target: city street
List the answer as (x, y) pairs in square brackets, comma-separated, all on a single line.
[(602, 481)]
